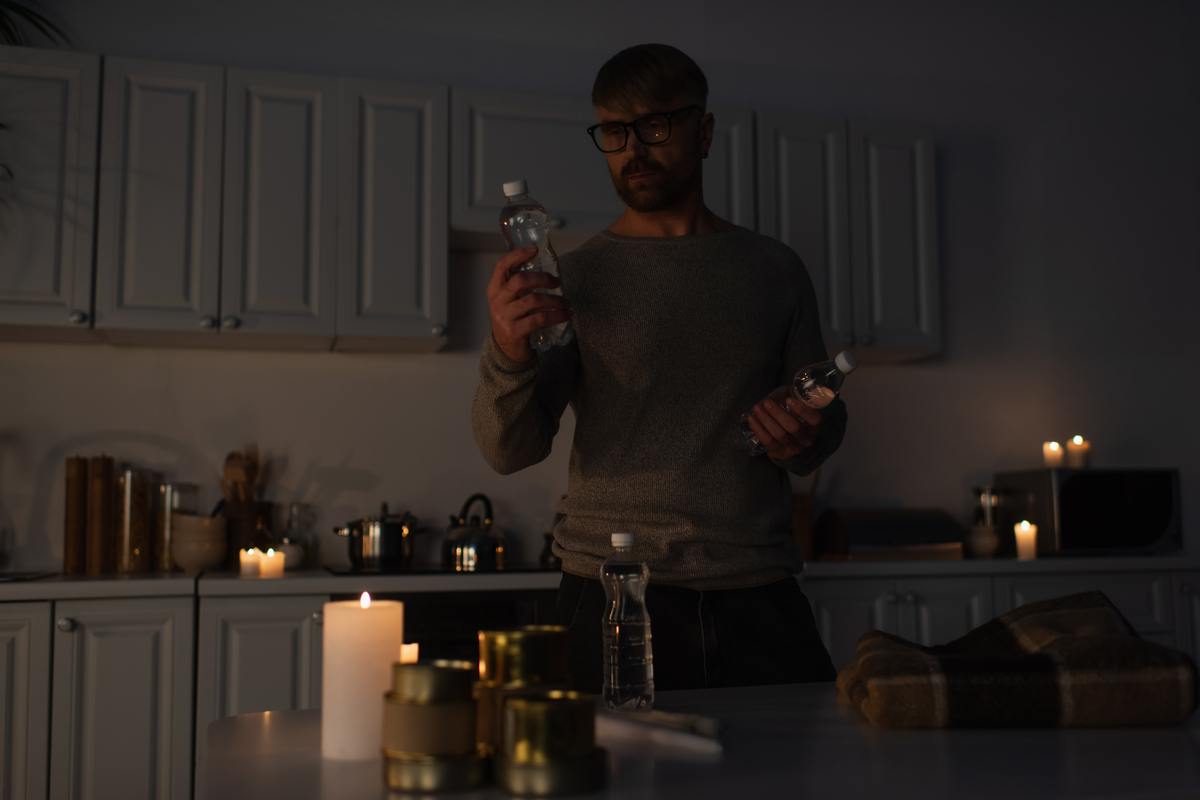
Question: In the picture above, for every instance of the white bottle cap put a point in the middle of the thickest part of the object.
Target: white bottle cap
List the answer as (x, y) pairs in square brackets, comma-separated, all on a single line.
[(622, 540), (845, 362), (514, 188)]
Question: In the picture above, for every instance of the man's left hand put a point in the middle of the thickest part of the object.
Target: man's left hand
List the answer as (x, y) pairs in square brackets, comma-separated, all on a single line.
[(785, 426)]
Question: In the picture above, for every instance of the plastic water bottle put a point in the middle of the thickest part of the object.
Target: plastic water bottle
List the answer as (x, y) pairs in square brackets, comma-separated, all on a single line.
[(628, 655), (816, 385), (525, 222)]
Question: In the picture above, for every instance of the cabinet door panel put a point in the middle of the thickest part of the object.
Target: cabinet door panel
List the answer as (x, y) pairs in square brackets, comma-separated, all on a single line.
[(49, 105), (122, 705), (895, 249), (255, 654), (1145, 599), (729, 168), (279, 248), (846, 609), (802, 203), (24, 699), (158, 244), (1186, 587), (392, 240), (939, 610), (503, 136)]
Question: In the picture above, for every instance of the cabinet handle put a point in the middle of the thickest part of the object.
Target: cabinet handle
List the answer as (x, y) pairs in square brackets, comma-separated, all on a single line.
[(208, 322), (318, 618), (438, 330), (1185, 589), (910, 598), (78, 317), (231, 322), (890, 597), (66, 624)]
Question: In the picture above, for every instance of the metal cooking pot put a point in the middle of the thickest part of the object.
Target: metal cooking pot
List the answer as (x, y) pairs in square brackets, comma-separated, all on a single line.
[(471, 546), (380, 543)]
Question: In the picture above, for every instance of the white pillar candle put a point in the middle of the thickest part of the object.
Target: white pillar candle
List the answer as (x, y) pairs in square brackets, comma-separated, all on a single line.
[(1052, 455), (270, 564), (249, 559), (1078, 452), (1026, 540), (409, 653), (361, 640)]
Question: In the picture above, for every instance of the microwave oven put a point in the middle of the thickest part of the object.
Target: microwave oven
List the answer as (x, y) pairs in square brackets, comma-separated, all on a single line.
[(1092, 511)]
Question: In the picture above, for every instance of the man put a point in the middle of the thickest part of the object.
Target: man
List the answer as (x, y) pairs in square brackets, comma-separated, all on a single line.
[(683, 321)]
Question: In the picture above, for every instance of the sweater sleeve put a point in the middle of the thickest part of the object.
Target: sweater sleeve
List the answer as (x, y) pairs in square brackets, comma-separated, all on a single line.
[(518, 405), (805, 346)]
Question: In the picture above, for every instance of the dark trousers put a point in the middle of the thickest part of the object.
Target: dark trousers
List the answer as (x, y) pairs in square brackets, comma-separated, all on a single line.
[(731, 637)]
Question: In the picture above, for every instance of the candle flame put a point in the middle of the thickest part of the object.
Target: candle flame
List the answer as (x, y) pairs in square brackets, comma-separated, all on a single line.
[(1024, 524), (270, 552), (1054, 445), (365, 600), (1077, 440)]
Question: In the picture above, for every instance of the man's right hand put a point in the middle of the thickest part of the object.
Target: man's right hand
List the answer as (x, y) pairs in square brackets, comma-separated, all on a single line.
[(516, 310)]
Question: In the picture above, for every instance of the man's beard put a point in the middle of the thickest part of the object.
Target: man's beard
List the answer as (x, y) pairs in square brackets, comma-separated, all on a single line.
[(668, 188)]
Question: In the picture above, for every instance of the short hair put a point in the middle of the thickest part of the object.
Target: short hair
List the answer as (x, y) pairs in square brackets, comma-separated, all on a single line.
[(649, 74)]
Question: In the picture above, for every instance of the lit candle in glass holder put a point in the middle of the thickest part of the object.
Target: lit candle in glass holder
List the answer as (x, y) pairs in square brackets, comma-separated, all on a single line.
[(1052, 455), (1078, 452), (1026, 540)]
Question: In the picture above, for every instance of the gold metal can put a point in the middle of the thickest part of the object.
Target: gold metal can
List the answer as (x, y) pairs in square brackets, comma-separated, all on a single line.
[(432, 681), (529, 654), (549, 745), (430, 711), (413, 773)]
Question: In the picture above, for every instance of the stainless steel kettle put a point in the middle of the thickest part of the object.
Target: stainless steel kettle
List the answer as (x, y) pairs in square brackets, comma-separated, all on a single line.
[(472, 546), (380, 543)]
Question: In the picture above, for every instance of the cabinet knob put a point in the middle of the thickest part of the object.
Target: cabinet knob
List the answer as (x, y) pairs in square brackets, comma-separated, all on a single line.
[(865, 340), (890, 597), (910, 598), (66, 624), (231, 322), (318, 617), (1185, 589), (208, 322), (439, 330), (78, 317)]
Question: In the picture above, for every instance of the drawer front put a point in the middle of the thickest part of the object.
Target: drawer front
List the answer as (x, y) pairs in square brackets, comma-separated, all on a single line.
[(845, 609), (1145, 598)]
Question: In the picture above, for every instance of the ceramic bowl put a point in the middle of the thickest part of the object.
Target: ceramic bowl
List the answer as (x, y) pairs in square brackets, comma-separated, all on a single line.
[(190, 525), (194, 555)]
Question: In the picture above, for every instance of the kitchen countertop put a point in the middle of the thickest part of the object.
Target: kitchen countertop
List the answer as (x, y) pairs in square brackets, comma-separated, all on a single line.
[(324, 582), (780, 741), (998, 566), (63, 587)]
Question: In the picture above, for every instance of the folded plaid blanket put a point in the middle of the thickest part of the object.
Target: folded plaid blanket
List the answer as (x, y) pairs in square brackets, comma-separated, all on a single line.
[(1070, 661)]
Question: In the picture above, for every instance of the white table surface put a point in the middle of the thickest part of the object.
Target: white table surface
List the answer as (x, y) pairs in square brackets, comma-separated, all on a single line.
[(800, 741)]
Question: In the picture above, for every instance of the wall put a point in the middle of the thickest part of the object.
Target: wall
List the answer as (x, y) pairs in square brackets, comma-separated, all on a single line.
[(1069, 186)]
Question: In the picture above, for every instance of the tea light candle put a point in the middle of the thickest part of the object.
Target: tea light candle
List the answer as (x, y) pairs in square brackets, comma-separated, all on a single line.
[(1078, 452), (1026, 540), (409, 653), (1052, 455), (249, 560), (270, 564), (360, 641)]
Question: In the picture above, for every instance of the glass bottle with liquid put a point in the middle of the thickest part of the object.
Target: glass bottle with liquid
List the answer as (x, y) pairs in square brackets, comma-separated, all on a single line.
[(816, 386)]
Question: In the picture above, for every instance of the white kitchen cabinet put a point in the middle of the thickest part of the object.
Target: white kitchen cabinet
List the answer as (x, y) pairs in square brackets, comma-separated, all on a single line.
[(939, 610), (846, 609), (121, 720), (256, 654), (1146, 599), (502, 136), (279, 241), (49, 107), (894, 247), (802, 202), (392, 216), (729, 168), (24, 699), (158, 256), (1186, 586)]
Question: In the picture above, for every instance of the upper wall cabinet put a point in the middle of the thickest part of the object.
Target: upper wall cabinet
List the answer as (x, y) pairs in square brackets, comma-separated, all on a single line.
[(503, 136), (158, 245), (802, 202), (729, 168), (280, 205), (392, 226), (859, 205), (49, 106)]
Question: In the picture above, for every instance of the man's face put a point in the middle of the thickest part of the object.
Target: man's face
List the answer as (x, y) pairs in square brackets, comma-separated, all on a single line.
[(653, 178)]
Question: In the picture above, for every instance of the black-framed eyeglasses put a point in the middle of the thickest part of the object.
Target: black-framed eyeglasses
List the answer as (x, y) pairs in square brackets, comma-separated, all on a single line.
[(611, 137)]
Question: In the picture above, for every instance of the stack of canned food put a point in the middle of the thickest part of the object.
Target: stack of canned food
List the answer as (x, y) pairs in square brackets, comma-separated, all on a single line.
[(512, 719)]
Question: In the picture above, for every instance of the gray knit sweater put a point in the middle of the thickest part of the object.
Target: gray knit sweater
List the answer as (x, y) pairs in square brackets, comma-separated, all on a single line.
[(675, 338)]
